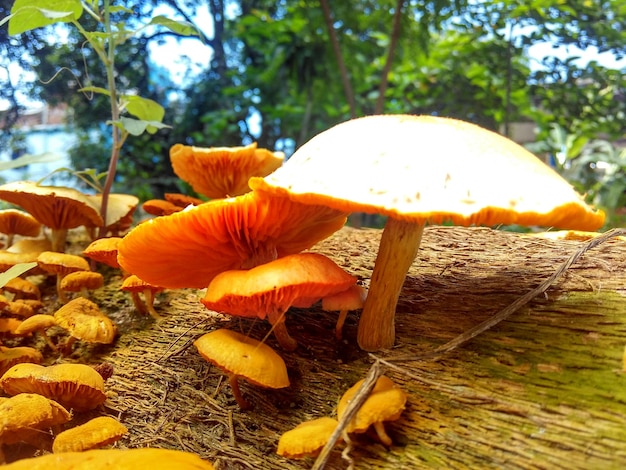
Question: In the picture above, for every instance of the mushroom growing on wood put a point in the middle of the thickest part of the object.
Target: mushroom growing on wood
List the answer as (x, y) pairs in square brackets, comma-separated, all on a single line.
[(307, 439), (243, 357), (82, 281), (221, 172), (343, 302), (189, 248), (15, 222), (95, 433), (24, 417), (136, 286), (420, 170), (61, 264), (84, 320), (38, 323), (270, 289), (58, 208), (75, 386), (385, 402)]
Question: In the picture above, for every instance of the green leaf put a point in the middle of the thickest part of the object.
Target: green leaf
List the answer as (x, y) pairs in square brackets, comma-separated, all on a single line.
[(183, 28), (137, 127), (32, 14), (29, 159), (95, 89), (15, 271), (143, 108)]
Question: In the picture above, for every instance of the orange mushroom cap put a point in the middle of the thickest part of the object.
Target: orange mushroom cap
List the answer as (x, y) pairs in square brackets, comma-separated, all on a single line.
[(76, 386), (95, 433), (16, 222), (160, 207), (189, 248), (56, 207), (84, 320), (300, 279), (221, 172), (104, 250), (119, 459), (307, 439), (182, 200), (11, 356)]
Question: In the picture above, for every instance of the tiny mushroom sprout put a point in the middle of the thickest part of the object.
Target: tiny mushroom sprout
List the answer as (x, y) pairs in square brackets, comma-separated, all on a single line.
[(189, 248), (61, 264), (269, 290), (57, 207), (343, 302), (38, 323), (95, 433), (84, 320), (76, 386), (221, 172), (25, 417), (16, 222), (307, 439), (118, 459), (419, 170), (240, 356), (136, 286), (386, 402)]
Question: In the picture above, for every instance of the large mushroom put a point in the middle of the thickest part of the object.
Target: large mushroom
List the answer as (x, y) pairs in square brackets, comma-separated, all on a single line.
[(269, 290), (420, 170), (57, 207), (189, 248), (221, 172)]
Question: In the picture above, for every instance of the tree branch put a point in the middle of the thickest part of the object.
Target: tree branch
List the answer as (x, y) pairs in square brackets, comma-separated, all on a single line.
[(384, 79), (345, 79)]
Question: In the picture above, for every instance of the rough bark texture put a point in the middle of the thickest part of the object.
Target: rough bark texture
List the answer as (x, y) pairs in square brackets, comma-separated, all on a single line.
[(542, 390)]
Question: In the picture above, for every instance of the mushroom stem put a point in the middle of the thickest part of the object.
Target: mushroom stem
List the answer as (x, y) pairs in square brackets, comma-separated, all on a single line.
[(67, 347), (379, 427), (280, 332), (148, 295), (48, 340), (139, 305), (58, 237), (233, 380), (60, 292), (340, 321), (398, 247)]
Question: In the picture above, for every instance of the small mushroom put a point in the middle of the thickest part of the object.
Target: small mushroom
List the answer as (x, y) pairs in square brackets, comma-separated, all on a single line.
[(22, 289), (419, 170), (104, 250), (386, 402), (343, 302), (159, 207), (84, 321), (222, 172), (82, 281), (16, 222), (38, 323), (74, 386), (61, 264), (240, 356), (8, 326), (136, 286), (23, 417), (58, 208), (94, 434), (182, 200), (270, 289), (11, 356), (307, 439)]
